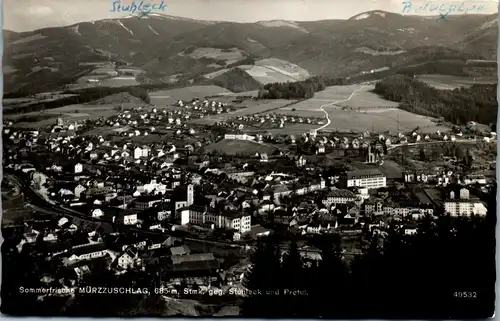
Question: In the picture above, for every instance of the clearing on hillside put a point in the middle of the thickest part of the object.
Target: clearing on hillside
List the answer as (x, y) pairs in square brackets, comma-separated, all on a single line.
[(272, 70), (229, 56), (448, 82), (168, 97)]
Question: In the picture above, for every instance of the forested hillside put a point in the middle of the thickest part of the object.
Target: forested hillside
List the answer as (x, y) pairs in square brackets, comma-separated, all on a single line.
[(299, 89), (459, 106)]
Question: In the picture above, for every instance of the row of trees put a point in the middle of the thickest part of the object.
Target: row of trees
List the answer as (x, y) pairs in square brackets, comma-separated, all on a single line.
[(446, 270), (477, 103)]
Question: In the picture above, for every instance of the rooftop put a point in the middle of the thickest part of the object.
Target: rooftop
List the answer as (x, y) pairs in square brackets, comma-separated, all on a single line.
[(341, 193), (364, 173), (199, 257)]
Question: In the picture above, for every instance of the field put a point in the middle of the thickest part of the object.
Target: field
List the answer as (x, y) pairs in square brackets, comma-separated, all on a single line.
[(8, 69), (121, 81), (451, 82), (167, 97), (359, 110), (67, 113), (270, 70), (133, 71), (273, 70), (230, 146)]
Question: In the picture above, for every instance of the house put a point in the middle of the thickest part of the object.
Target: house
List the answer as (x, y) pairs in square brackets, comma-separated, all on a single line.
[(266, 206), (300, 161), (78, 168), (97, 212), (201, 266), (127, 218), (128, 259), (79, 189)]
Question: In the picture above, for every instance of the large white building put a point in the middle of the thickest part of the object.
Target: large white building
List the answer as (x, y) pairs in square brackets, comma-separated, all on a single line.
[(367, 178), (200, 215), (464, 206)]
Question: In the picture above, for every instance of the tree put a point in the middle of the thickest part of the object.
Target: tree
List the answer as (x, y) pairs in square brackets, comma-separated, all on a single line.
[(293, 278), (423, 157), (459, 153), (263, 280), (332, 279)]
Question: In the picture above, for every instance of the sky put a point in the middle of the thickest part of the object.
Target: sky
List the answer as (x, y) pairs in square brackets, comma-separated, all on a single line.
[(26, 15)]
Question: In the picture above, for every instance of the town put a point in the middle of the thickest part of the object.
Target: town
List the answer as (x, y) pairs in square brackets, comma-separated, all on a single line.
[(138, 192), (246, 159)]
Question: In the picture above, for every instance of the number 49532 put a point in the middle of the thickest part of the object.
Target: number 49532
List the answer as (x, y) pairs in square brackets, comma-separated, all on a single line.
[(465, 295)]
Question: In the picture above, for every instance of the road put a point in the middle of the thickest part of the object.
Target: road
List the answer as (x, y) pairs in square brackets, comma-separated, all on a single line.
[(322, 107)]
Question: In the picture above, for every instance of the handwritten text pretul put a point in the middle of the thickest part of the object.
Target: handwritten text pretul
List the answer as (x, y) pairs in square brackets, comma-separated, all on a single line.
[(133, 7), (437, 7)]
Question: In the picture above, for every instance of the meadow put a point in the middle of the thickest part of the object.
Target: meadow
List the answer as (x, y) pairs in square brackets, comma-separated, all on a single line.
[(358, 109), (229, 56), (67, 113)]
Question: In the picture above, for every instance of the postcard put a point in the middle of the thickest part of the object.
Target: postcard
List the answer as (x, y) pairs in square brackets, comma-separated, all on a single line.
[(249, 159)]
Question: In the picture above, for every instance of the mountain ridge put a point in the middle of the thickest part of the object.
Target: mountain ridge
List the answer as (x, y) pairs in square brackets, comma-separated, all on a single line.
[(51, 57)]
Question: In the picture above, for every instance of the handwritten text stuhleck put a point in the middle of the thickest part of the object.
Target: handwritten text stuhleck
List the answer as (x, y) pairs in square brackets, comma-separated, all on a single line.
[(464, 7), (133, 7)]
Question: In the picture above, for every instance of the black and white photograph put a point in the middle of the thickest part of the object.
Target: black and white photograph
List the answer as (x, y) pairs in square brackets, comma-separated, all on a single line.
[(316, 159)]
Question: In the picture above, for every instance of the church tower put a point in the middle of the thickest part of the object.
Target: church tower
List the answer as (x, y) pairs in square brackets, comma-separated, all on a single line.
[(190, 195)]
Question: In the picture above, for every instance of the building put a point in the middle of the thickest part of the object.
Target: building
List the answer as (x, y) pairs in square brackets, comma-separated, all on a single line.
[(127, 218), (240, 176), (474, 179), (86, 252), (78, 168), (200, 215), (368, 178), (339, 196), (465, 205), (371, 157), (188, 200)]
